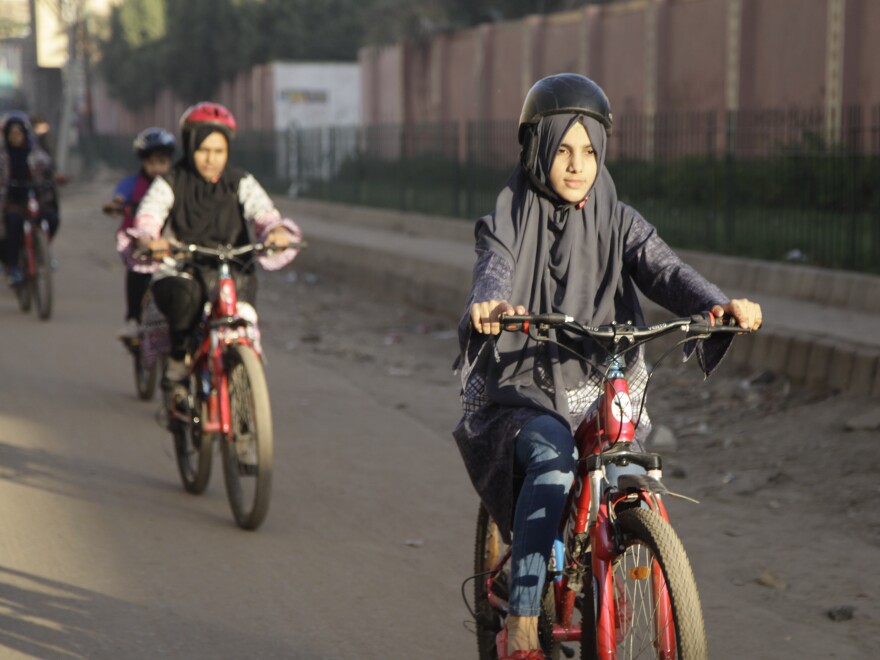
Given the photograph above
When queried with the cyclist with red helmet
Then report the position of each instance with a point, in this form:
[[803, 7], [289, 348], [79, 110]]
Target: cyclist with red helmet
[[154, 148], [205, 201], [22, 161]]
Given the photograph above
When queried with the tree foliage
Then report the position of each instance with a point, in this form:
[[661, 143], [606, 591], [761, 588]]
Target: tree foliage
[[192, 46], [133, 49], [203, 47]]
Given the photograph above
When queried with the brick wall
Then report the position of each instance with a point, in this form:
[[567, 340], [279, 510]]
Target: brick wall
[[649, 56]]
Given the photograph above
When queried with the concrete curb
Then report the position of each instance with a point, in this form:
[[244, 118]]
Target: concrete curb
[[426, 261]]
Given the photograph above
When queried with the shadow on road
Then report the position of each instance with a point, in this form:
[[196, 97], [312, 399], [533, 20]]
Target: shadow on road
[[45, 618]]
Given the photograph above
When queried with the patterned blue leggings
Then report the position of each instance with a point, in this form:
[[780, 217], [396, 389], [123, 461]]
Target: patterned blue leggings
[[546, 454]]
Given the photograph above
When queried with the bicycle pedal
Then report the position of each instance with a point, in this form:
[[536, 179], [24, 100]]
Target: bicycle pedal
[[567, 651]]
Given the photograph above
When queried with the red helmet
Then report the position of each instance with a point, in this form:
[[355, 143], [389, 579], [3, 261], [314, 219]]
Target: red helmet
[[211, 114]]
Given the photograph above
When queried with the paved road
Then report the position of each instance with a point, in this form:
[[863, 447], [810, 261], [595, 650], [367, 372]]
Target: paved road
[[369, 533], [104, 556]]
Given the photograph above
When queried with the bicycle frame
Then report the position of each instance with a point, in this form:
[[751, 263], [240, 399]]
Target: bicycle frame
[[587, 522], [221, 327]]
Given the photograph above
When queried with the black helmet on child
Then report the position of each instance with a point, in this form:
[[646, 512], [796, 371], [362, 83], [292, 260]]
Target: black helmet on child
[[563, 93], [153, 140]]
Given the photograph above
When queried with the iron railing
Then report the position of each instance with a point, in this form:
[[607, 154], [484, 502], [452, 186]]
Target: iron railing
[[775, 185]]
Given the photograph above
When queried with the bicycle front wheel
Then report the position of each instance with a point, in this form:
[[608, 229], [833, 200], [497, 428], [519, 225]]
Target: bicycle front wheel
[[247, 454], [41, 283], [657, 606], [489, 548]]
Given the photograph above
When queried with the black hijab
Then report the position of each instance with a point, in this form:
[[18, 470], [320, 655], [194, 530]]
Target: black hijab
[[566, 258], [18, 161], [205, 212]]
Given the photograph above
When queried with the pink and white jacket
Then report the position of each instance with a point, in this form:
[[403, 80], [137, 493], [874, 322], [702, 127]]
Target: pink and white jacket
[[155, 208]]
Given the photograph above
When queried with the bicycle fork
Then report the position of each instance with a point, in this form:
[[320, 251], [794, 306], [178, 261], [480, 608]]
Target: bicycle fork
[[33, 221], [28, 246], [219, 410]]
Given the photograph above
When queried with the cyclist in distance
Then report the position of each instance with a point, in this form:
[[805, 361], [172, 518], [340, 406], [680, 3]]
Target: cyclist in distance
[[22, 161], [559, 240], [205, 201], [154, 147]]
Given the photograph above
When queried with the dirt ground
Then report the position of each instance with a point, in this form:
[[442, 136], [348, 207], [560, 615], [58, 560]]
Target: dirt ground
[[785, 542]]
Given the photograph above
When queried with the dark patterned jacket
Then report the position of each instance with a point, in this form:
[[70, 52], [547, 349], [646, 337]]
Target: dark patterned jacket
[[487, 431], [42, 171]]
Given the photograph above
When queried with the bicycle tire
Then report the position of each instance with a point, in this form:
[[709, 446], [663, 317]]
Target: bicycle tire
[[247, 455], [648, 538], [193, 448], [144, 377], [41, 283], [488, 549], [23, 294], [23, 289]]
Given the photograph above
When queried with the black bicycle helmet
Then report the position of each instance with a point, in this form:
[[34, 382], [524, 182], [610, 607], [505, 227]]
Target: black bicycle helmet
[[153, 140], [563, 93]]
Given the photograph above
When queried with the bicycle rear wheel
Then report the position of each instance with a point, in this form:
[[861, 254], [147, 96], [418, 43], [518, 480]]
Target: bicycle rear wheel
[[652, 575], [144, 376], [41, 283], [488, 551], [193, 447], [23, 293], [247, 455]]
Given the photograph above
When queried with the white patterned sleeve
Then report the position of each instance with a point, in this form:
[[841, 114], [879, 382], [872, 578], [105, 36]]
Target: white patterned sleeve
[[148, 222], [259, 210], [153, 210]]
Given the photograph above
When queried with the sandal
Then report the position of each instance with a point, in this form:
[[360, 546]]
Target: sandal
[[501, 650]]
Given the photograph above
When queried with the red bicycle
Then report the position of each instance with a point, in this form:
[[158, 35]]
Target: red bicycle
[[35, 259], [617, 562], [227, 397]]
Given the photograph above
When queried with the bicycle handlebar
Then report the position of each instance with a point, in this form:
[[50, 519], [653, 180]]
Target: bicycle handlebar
[[613, 333], [224, 252]]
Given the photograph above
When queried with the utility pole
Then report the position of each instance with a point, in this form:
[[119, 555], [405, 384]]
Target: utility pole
[[69, 10]]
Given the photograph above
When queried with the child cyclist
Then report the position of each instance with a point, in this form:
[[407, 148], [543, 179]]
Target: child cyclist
[[154, 147], [558, 240]]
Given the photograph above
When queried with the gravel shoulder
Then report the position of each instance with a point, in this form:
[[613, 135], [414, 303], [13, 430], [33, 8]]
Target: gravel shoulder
[[786, 538]]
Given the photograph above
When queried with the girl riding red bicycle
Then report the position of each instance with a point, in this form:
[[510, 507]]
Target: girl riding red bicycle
[[559, 240], [22, 161], [203, 201]]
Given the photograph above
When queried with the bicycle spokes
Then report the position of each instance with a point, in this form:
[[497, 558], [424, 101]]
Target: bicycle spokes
[[643, 621], [244, 436]]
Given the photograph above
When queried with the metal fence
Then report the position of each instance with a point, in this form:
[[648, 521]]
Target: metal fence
[[776, 185]]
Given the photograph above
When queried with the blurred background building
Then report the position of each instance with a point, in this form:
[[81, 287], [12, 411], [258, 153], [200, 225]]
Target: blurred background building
[[741, 126], [43, 62]]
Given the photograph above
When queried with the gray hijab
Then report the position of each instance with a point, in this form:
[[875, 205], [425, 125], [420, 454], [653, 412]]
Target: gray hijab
[[566, 258]]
